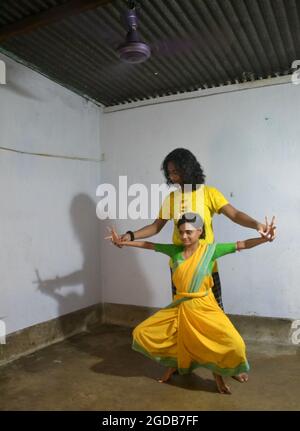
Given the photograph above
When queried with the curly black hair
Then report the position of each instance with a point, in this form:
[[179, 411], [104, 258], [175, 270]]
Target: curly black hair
[[187, 165]]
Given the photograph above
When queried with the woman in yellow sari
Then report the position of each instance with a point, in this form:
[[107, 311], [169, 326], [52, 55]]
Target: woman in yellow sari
[[193, 331]]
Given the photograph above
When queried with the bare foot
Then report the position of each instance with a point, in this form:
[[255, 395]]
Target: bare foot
[[167, 375], [222, 387], [242, 378]]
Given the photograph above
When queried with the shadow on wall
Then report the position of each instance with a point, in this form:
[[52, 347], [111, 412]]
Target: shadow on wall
[[90, 232], [86, 229]]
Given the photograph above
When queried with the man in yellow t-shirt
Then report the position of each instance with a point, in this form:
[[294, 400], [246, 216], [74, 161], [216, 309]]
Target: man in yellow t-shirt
[[205, 200], [182, 168]]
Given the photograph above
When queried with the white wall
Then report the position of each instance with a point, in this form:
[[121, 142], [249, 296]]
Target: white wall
[[48, 224], [248, 144]]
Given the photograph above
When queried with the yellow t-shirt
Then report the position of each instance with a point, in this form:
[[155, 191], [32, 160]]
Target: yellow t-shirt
[[206, 201]]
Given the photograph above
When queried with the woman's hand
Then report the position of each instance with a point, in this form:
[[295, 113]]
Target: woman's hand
[[125, 237], [271, 229], [267, 231], [114, 237], [253, 242]]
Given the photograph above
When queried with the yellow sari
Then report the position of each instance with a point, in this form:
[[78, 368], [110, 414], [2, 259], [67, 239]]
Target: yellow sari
[[193, 331]]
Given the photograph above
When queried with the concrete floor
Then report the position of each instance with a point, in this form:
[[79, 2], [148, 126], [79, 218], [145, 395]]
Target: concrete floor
[[99, 371]]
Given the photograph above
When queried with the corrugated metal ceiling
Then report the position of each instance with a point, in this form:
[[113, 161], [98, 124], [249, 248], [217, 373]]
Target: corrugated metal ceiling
[[195, 44], [14, 10]]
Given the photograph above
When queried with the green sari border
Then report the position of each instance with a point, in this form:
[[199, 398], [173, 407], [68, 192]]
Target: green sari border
[[202, 268], [243, 367], [170, 362], [167, 361]]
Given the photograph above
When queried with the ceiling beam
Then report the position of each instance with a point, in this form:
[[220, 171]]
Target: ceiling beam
[[42, 19]]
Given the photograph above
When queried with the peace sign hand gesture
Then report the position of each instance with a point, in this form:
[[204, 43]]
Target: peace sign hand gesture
[[270, 232]]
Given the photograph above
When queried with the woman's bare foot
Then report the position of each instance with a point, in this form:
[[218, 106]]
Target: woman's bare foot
[[167, 375], [242, 378], [222, 387]]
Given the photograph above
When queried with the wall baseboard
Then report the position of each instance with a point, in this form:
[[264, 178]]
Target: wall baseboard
[[252, 328], [261, 330], [28, 340]]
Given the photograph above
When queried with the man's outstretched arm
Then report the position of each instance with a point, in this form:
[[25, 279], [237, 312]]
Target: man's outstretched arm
[[245, 220]]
